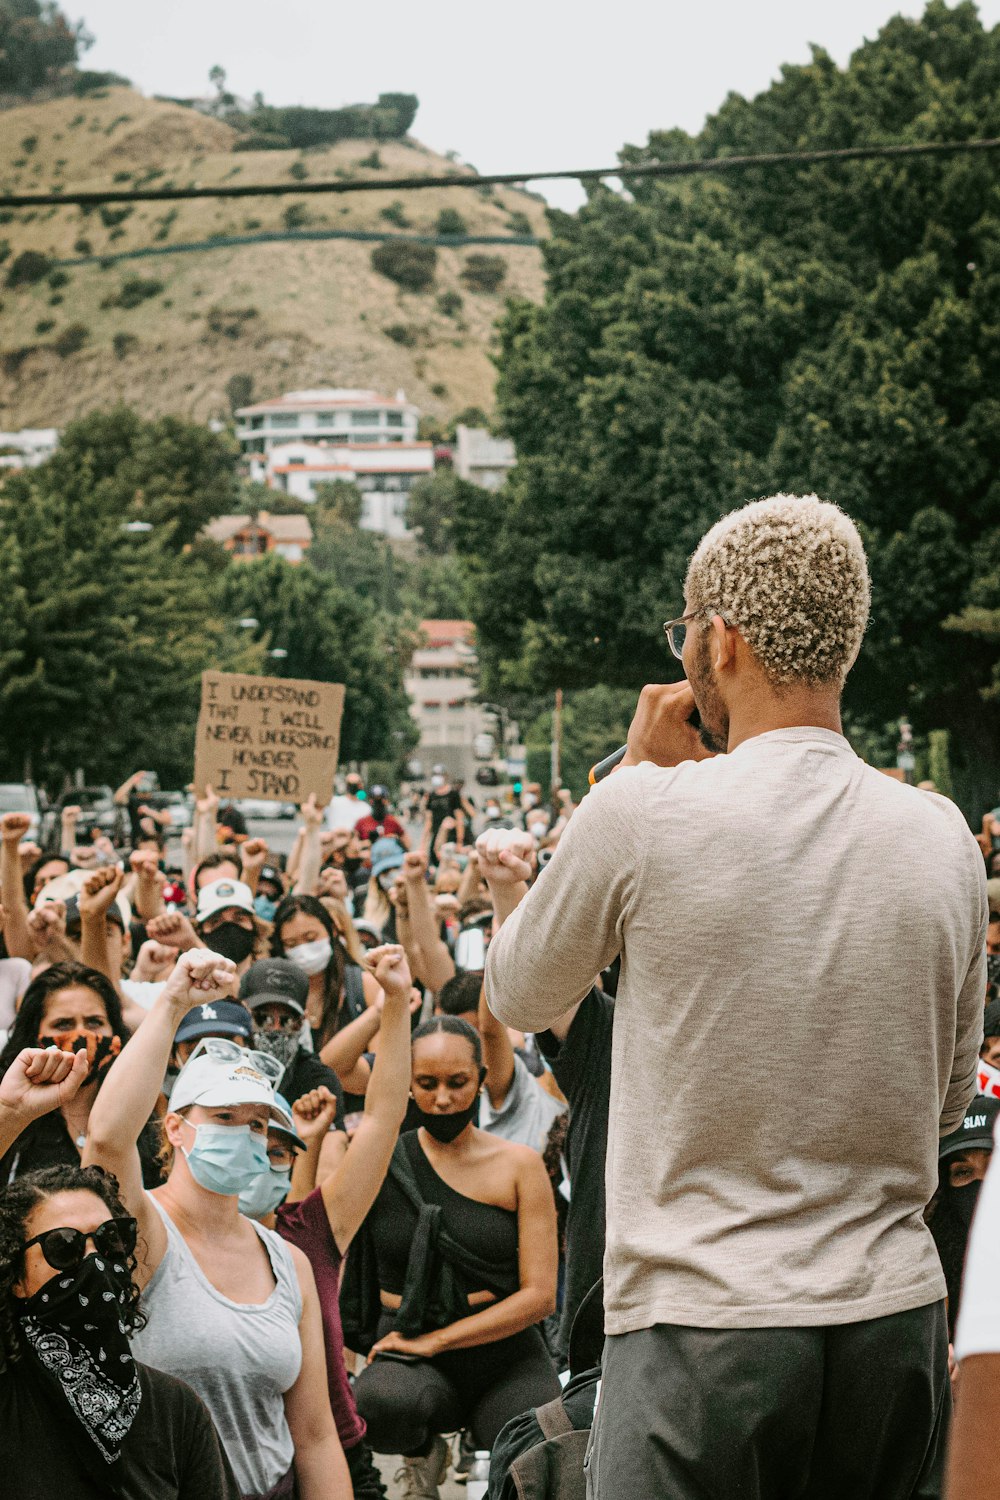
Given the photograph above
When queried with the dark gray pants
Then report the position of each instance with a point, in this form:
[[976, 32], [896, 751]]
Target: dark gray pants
[[854, 1412]]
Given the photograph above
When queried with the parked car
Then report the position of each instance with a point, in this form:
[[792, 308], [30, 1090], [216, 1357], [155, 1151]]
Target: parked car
[[23, 797], [261, 810]]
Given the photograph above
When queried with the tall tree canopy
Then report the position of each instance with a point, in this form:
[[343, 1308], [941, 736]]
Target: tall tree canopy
[[36, 43], [830, 328]]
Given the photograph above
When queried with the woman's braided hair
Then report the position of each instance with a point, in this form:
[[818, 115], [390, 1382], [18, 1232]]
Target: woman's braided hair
[[16, 1204]]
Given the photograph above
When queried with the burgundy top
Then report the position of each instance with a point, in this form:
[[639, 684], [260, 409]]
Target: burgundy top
[[306, 1225]]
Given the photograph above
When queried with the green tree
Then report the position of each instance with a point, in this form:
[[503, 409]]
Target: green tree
[[823, 328], [108, 632], [329, 635], [432, 507], [36, 44], [340, 500], [175, 474]]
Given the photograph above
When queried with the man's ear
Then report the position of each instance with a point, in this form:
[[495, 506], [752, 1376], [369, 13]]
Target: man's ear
[[723, 643]]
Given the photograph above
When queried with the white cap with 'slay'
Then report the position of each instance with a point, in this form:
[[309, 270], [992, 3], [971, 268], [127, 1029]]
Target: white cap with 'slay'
[[222, 1081], [219, 894]]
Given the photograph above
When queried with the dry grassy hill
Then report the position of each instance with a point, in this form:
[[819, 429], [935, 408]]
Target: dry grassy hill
[[289, 315]]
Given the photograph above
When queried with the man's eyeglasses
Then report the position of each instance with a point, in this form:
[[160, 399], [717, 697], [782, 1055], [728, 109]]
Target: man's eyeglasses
[[64, 1249], [676, 630]]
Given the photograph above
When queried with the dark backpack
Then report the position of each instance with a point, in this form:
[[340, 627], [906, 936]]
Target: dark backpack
[[539, 1455]]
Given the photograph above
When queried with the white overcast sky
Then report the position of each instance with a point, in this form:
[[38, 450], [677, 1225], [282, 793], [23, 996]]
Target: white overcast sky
[[511, 85]]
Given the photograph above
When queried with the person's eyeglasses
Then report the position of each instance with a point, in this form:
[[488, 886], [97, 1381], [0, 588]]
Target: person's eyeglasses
[[223, 1050], [64, 1249], [676, 630]]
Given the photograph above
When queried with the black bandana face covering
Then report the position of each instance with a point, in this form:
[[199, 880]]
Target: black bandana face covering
[[77, 1342]]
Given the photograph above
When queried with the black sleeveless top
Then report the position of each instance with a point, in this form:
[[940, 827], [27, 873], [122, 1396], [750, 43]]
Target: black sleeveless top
[[481, 1228]]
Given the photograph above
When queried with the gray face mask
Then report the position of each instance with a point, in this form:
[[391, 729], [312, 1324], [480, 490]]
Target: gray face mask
[[281, 1045]]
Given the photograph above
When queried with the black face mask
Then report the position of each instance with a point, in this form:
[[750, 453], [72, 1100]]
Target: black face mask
[[231, 940], [964, 1200], [73, 1327], [446, 1128]]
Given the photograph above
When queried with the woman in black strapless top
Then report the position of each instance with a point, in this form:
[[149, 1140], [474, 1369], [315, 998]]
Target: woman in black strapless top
[[463, 1241]]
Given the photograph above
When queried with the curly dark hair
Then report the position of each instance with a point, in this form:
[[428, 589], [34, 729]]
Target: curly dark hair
[[28, 1022], [333, 990], [16, 1204]]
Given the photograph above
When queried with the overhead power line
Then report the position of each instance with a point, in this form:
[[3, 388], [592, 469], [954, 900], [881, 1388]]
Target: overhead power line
[[501, 179]]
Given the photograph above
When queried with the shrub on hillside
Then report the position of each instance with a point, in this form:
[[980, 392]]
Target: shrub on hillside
[[262, 140], [124, 343], [133, 291], [72, 338], [408, 265], [484, 273], [450, 221], [395, 214], [231, 322], [450, 303], [519, 223], [45, 325], [82, 246], [407, 334], [296, 216], [28, 267], [298, 170], [112, 217], [57, 279]]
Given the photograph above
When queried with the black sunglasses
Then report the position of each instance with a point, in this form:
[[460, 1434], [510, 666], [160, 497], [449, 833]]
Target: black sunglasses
[[64, 1249]]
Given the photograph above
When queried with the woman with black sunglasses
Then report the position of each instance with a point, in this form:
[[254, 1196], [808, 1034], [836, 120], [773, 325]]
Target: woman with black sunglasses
[[78, 1415]]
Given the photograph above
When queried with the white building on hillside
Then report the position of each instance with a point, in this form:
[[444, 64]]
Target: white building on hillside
[[482, 458], [441, 686], [306, 438], [28, 448]]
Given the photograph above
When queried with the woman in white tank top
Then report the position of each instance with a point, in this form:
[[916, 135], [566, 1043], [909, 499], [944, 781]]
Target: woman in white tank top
[[232, 1309]]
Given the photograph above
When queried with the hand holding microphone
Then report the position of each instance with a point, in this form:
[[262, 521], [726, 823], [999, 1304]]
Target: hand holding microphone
[[661, 731]]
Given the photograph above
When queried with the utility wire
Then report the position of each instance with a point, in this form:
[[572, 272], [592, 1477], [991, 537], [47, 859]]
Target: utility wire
[[502, 179]]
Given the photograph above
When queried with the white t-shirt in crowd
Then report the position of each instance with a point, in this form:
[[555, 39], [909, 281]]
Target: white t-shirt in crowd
[[15, 976], [345, 812], [978, 1330]]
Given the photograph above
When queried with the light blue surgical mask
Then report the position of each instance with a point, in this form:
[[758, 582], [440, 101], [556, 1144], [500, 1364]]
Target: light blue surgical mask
[[265, 1193], [265, 908], [226, 1158]]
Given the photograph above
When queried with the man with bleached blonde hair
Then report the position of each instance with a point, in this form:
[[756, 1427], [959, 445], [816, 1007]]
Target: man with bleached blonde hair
[[798, 1017]]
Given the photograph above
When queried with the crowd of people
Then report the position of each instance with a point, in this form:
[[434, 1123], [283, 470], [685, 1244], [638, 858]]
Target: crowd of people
[[624, 1149], [220, 1069]]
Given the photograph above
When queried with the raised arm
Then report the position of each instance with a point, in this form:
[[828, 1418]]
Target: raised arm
[[506, 869], [344, 1052], [568, 927], [310, 852], [17, 934], [68, 819], [129, 1093], [39, 1080], [352, 1189], [99, 890], [498, 1053], [253, 858], [206, 809], [438, 964], [149, 883]]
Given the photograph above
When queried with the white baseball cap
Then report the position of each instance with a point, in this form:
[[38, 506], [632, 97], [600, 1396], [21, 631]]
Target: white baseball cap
[[213, 1080], [219, 894]]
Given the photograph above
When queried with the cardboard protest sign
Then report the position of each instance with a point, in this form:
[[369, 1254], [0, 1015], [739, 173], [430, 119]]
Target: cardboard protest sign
[[270, 737]]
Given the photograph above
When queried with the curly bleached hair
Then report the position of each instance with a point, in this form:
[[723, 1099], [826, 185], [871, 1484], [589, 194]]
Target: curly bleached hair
[[790, 574]]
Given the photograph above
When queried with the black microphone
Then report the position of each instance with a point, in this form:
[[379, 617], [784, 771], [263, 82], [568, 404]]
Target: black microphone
[[606, 766]]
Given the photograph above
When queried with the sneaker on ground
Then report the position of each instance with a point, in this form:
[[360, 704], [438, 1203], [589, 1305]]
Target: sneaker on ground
[[420, 1477]]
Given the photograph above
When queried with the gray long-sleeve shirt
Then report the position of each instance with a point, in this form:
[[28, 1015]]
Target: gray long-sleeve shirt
[[799, 1014]]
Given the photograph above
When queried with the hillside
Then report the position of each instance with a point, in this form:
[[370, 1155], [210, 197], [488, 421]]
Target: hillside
[[287, 314]]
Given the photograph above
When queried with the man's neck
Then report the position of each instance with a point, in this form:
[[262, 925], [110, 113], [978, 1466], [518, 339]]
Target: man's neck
[[767, 711]]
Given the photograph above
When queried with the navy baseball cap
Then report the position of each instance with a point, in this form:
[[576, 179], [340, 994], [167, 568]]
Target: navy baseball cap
[[275, 981], [216, 1018]]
